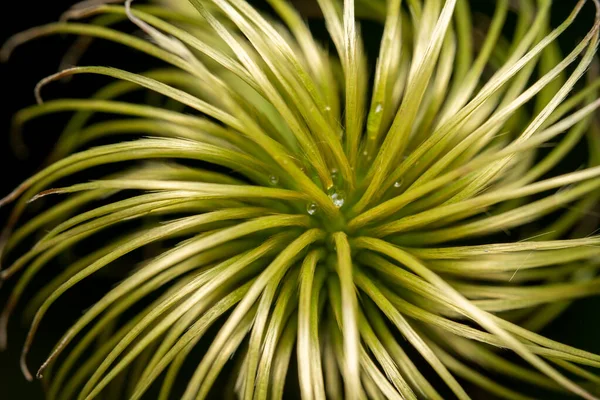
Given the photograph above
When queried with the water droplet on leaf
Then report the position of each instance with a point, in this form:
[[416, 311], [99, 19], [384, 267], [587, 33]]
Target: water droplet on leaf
[[334, 173], [312, 208], [337, 197], [273, 180], [398, 183]]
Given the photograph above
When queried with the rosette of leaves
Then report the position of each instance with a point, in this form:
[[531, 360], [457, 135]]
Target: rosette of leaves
[[300, 207]]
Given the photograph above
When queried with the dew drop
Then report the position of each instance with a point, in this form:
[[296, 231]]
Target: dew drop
[[334, 173], [378, 108], [365, 153], [337, 197], [273, 180], [327, 108], [398, 183], [312, 208]]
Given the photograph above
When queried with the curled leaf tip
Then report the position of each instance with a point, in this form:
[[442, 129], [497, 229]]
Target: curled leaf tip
[[25, 368]]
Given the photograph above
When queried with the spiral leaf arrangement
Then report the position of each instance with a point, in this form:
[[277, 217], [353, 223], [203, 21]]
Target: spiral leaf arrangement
[[300, 209]]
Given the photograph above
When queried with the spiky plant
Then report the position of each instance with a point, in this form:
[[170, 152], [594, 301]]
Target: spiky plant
[[296, 209]]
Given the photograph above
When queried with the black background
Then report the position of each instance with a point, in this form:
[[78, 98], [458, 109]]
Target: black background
[[579, 326]]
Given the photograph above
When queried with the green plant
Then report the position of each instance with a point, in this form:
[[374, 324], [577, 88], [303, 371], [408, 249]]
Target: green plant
[[311, 217]]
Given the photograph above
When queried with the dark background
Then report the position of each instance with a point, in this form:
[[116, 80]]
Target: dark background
[[579, 326]]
